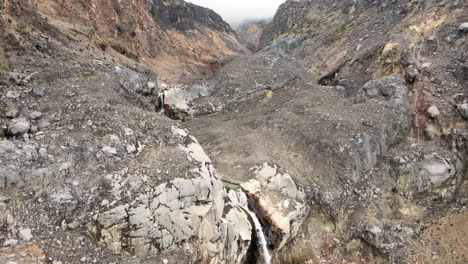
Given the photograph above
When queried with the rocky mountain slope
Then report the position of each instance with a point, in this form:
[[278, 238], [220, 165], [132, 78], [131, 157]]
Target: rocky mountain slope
[[370, 173], [287, 15], [82, 148], [171, 37], [342, 140]]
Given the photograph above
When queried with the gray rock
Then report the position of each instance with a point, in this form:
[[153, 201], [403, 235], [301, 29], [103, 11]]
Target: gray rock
[[63, 196], [69, 93], [438, 171], [129, 132], [35, 115], [113, 216], [426, 67], [150, 89], [10, 243], [139, 216], [389, 91], [464, 27], [30, 152], [73, 225], [131, 148], [463, 109], [4, 199], [141, 247], [184, 209], [8, 149], [411, 74], [347, 88], [15, 77], [43, 153], [115, 142], [42, 43], [19, 126], [433, 111], [25, 234], [39, 91], [140, 82], [13, 113], [13, 94], [43, 125], [34, 129], [8, 177], [109, 151], [425, 171], [177, 100], [186, 188]]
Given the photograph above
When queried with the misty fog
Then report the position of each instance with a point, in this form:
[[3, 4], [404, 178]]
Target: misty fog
[[240, 11]]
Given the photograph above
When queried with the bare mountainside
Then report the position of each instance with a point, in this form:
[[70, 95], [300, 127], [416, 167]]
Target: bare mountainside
[[171, 37], [143, 132]]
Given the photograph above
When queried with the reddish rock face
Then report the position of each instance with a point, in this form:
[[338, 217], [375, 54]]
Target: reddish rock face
[[162, 35]]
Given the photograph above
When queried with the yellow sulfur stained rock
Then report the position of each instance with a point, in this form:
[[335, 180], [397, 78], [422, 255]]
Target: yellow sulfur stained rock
[[391, 53]]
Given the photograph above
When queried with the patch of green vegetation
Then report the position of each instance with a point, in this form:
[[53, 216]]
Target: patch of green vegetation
[[2, 133]]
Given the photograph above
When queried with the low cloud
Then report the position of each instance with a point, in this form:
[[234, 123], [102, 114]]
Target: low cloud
[[251, 21], [239, 11]]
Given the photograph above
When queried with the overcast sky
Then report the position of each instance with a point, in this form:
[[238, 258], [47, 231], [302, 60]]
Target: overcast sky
[[236, 11]]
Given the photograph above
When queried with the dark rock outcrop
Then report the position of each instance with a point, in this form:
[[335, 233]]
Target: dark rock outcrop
[[288, 14], [184, 16]]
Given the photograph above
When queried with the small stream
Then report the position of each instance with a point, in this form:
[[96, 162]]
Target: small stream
[[262, 243], [160, 106]]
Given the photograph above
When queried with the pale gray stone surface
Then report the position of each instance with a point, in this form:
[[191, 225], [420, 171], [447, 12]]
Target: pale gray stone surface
[[19, 126], [25, 234]]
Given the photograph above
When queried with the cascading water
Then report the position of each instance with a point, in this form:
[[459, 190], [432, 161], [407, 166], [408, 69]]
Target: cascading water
[[262, 243], [160, 107]]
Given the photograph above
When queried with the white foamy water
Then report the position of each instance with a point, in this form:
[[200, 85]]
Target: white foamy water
[[161, 98], [262, 244]]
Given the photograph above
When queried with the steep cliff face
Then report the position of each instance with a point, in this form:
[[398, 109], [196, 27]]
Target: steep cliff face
[[345, 44], [184, 16], [171, 37], [287, 15]]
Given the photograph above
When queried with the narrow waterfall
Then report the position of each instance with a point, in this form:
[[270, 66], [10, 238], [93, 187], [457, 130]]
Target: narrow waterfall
[[262, 243], [160, 107]]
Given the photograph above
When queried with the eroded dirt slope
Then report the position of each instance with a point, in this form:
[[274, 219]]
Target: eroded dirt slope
[[173, 38]]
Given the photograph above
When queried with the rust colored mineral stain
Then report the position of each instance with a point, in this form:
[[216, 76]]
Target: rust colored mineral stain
[[272, 233], [420, 110]]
